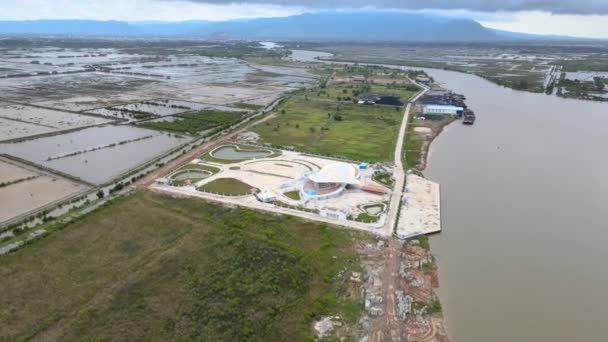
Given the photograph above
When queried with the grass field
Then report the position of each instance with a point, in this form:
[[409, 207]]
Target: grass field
[[348, 91], [227, 186], [294, 195], [248, 106], [153, 267], [330, 127], [193, 123]]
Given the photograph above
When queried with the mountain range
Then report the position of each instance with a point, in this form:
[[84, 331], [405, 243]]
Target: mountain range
[[349, 26]]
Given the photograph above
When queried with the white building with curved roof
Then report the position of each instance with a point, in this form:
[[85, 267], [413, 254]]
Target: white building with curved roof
[[330, 181]]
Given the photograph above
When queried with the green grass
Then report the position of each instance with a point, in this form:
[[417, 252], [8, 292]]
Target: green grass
[[162, 268], [268, 60], [294, 195], [349, 91], [248, 106], [193, 123], [412, 148], [227, 186], [365, 133], [422, 241], [367, 218], [384, 179]]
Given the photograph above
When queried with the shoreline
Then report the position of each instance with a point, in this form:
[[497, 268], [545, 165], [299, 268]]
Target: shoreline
[[426, 146]]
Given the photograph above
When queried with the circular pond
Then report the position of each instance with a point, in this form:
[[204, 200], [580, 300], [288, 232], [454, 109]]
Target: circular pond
[[233, 153], [191, 174]]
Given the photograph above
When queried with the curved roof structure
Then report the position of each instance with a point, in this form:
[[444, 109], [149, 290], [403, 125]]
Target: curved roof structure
[[336, 173]]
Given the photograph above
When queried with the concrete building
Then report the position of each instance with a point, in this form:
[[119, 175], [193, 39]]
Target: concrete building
[[329, 182], [423, 80], [334, 214], [443, 109], [266, 197]]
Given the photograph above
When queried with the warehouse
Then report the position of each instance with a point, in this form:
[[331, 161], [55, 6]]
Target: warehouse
[[443, 109]]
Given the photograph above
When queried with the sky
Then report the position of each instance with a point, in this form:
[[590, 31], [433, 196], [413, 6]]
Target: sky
[[580, 18]]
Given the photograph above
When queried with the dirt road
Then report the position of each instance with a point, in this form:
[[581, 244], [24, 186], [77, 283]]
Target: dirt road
[[399, 172], [390, 327]]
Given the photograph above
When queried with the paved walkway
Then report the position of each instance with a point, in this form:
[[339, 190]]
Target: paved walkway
[[255, 204], [399, 172]]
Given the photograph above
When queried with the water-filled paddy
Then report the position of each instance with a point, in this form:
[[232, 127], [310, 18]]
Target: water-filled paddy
[[26, 188], [155, 108], [21, 121], [103, 163]]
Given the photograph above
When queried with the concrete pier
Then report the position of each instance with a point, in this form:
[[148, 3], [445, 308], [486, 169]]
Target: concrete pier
[[420, 209]]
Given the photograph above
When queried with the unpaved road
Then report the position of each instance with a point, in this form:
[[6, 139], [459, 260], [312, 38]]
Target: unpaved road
[[390, 328]]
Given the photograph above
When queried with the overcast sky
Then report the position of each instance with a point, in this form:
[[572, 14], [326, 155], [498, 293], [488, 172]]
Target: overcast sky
[[584, 18]]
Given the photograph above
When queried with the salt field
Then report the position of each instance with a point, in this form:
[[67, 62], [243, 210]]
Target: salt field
[[26, 189], [96, 154], [22, 121]]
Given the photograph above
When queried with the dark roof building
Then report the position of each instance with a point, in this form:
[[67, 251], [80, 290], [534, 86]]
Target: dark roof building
[[380, 99]]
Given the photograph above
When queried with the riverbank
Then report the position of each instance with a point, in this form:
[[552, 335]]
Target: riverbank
[[420, 136]]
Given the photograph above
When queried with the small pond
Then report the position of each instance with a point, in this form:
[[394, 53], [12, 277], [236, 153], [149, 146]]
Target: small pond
[[374, 209], [232, 153], [191, 174]]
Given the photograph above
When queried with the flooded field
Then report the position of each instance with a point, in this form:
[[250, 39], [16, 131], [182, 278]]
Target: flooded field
[[96, 154], [136, 111], [21, 121], [586, 75], [25, 188], [111, 82]]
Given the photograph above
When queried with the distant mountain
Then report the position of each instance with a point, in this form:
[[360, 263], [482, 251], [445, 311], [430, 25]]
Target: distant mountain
[[357, 26], [335, 25]]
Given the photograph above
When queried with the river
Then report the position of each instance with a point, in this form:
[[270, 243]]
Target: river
[[523, 244], [522, 251]]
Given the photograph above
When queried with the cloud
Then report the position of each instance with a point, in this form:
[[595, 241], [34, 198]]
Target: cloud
[[138, 10], [581, 7]]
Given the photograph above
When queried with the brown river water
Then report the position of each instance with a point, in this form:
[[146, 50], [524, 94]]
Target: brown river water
[[522, 255]]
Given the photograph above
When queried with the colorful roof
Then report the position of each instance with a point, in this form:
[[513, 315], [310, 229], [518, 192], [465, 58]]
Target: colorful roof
[[336, 173]]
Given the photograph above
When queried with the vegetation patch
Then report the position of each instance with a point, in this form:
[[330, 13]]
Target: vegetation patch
[[247, 106], [311, 123], [367, 218], [384, 179], [196, 122], [422, 241], [227, 187], [164, 268], [294, 195]]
